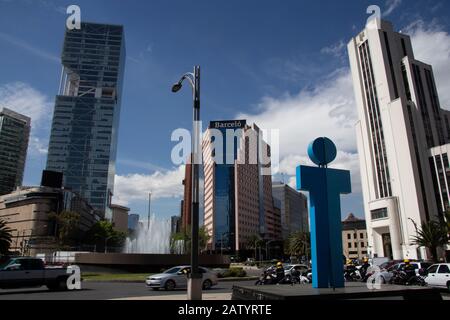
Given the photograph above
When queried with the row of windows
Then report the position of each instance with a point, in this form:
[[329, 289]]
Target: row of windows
[[423, 106], [349, 235], [355, 245], [379, 214], [419, 165], [379, 148]]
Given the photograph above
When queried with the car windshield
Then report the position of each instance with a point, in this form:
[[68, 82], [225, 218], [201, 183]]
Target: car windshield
[[173, 270], [425, 265], [287, 267], [4, 263]]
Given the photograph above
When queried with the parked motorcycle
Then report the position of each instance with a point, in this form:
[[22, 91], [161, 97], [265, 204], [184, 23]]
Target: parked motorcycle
[[352, 273], [405, 278], [266, 278], [296, 277]]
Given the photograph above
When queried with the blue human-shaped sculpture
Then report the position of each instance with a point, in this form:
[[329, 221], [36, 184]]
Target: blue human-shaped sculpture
[[325, 187]]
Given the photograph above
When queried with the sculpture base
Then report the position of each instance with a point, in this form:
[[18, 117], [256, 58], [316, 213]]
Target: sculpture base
[[352, 291]]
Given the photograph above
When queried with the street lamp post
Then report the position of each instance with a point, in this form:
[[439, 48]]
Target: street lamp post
[[149, 212], [195, 277], [357, 244]]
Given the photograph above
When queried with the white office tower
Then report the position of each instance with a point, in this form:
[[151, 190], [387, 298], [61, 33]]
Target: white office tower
[[402, 134]]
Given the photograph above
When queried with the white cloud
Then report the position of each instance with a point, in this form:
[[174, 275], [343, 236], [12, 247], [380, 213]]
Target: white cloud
[[338, 49], [432, 45], [38, 146], [391, 5], [131, 187], [24, 99], [30, 48], [327, 110]]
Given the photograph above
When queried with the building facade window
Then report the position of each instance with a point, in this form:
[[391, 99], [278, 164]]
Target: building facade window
[[376, 126], [379, 214]]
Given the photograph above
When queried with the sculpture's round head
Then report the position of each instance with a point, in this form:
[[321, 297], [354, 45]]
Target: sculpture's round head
[[322, 151]]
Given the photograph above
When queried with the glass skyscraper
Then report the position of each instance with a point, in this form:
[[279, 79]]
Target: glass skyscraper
[[84, 132], [14, 136], [238, 200], [223, 192]]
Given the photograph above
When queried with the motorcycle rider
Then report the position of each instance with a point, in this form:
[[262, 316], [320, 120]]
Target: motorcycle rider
[[365, 265], [279, 271], [409, 269], [351, 271]]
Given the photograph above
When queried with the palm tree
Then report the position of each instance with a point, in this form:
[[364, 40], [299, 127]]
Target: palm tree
[[431, 235], [5, 237], [254, 241], [299, 244], [67, 225], [203, 238]]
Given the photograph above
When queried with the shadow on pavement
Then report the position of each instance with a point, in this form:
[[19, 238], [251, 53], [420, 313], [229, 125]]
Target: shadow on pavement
[[4, 292]]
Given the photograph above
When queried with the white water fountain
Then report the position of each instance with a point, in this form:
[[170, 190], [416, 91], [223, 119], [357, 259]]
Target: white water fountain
[[153, 237]]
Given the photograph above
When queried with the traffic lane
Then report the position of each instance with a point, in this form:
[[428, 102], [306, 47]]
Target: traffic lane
[[104, 291]]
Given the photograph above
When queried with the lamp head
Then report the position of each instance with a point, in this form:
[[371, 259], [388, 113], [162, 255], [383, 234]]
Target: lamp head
[[176, 87]]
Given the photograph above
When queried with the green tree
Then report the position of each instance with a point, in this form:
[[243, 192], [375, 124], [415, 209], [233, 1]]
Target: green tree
[[431, 235], [299, 244], [103, 233], [67, 224], [254, 242], [174, 238], [203, 238], [5, 237]]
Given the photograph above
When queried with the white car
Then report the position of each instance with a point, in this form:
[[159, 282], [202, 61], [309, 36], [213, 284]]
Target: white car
[[438, 275], [290, 267], [176, 278]]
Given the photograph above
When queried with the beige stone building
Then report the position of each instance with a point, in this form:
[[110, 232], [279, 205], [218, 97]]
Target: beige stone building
[[120, 217], [27, 212], [354, 238]]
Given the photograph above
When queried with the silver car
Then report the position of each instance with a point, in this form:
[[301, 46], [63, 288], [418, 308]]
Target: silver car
[[176, 278]]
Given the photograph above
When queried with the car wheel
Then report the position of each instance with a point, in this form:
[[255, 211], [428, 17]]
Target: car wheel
[[207, 284], [52, 286], [170, 285], [448, 286], [58, 285]]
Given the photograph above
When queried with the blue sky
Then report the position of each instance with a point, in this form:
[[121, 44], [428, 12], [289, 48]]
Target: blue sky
[[281, 64]]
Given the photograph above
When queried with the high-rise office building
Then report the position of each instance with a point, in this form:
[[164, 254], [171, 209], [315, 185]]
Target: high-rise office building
[[175, 224], [238, 199], [133, 221], [293, 207], [119, 217], [399, 131], [85, 125], [186, 203], [14, 136]]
